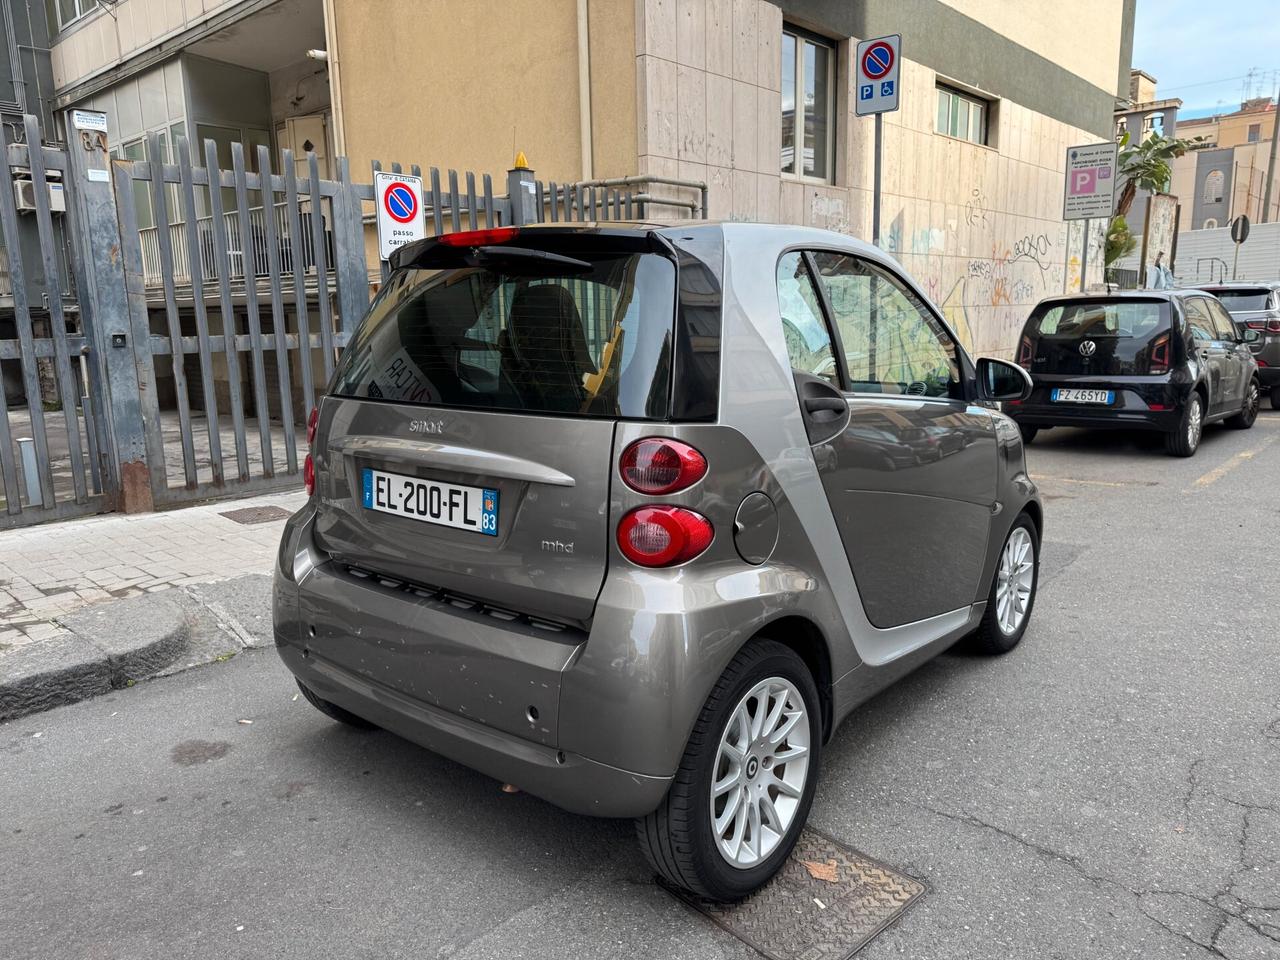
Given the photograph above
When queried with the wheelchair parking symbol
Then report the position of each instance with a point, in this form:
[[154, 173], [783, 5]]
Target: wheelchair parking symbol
[[886, 89]]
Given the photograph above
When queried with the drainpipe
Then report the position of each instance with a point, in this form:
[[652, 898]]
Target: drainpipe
[[584, 88], [335, 79]]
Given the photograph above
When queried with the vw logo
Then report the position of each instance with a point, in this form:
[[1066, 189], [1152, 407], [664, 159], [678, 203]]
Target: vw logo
[[1088, 348]]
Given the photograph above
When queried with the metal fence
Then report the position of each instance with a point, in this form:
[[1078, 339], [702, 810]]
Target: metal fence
[[206, 339]]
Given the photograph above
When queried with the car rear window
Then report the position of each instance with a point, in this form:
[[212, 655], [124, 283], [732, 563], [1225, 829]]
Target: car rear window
[[592, 340], [1237, 300], [1075, 321]]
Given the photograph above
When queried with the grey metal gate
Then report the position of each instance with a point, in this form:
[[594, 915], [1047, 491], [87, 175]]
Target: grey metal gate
[[250, 297], [50, 383], [204, 335]]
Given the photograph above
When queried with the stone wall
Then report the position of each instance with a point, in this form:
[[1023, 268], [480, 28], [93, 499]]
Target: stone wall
[[979, 227]]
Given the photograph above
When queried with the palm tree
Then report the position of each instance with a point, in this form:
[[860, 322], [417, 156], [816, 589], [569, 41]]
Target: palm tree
[[1146, 166]]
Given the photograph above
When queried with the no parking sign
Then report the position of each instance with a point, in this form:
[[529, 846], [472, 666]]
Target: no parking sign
[[877, 63], [400, 215]]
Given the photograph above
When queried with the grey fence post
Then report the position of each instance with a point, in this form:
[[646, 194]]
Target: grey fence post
[[350, 266], [113, 334], [522, 190]]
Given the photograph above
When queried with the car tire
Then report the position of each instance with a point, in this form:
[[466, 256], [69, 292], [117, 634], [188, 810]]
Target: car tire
[[333, 711], [1249, 412], [1028, 433], [679, 838], [1275, 398], [999, 632], [1184, 441]]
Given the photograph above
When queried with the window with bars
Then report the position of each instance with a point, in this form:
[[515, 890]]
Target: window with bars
[[808, 105], [963, 115]]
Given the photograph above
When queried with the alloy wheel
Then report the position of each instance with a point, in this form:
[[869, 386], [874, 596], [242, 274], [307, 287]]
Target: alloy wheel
[[1253, 403], [760, 772], [1195, 423], [1014, 581]]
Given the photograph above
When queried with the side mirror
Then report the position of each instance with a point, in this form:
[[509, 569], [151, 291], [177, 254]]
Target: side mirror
[[1002, 380], [1251, 335]]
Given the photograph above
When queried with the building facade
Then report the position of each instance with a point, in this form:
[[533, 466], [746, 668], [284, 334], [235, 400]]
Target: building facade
[[755, 98]]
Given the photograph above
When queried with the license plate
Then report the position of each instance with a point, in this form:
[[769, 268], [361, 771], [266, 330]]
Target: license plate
[[1064, 395], [444, 504]]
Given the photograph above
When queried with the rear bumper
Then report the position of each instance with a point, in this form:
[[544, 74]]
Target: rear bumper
[[1269, 376], [615, 704], [572, 782], [1164, 421]]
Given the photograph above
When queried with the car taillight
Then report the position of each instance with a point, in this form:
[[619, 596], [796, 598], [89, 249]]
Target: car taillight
[[656, 466], [309, 475], [1267, 326], [313, 420], [1160, 355], [1025, 352], [663, 536], [1273, 326], [478, 238]]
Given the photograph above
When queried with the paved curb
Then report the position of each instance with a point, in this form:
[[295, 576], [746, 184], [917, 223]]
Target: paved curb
[[112, 645]]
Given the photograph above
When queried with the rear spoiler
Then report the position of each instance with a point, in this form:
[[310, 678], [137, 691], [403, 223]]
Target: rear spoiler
[[539, 249]]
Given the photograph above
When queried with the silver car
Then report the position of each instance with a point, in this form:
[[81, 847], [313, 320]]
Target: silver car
[[632, 516], [1256, 306]]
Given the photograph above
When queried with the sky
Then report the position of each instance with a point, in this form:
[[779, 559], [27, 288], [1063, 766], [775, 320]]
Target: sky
[[1201, 50]]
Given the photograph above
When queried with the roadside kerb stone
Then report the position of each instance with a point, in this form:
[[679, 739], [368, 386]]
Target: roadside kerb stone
[[112, 645]]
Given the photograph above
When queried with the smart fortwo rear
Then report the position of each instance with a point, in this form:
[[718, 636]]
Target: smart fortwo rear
[[549, 539]]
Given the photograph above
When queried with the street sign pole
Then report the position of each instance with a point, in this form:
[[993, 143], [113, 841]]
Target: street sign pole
[[877, 64], [875, 182], [1084, 255]]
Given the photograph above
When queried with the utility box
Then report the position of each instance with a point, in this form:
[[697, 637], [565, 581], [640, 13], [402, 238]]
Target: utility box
[[24, 191]]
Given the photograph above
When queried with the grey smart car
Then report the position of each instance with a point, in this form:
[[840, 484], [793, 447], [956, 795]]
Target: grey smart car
[[632, 516]]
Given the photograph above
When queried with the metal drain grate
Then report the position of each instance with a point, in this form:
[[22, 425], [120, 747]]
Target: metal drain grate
[[248, 515], [804, 914]]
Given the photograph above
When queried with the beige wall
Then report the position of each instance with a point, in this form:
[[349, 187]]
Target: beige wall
[[100, 40], [406, 96], [1082, 36], [979, 227]]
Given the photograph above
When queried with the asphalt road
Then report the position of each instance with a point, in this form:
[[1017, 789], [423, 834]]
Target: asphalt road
[[1111, 789]]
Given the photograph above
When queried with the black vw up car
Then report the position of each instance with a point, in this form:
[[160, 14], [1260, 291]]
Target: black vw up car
[[1166, 360]]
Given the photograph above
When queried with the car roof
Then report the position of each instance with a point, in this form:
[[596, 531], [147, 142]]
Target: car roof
[[1122, 295], [782, 234]]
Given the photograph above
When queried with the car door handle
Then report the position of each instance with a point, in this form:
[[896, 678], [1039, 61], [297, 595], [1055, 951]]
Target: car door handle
[[818, 404], [1204, 354]]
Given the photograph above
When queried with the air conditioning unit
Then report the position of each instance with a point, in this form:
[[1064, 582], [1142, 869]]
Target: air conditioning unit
[[24, 192]]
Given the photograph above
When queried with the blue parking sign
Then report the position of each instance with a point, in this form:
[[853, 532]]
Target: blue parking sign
[[865, 91], [886, 89]]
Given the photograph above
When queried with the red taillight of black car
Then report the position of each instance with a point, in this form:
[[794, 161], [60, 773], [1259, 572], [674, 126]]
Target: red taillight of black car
[[1160, 355], [1025, 352]]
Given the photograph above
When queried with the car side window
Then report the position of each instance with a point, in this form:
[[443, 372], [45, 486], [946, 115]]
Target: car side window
[[892, 342], [1226, 328], [1201, 323], [808, 340]]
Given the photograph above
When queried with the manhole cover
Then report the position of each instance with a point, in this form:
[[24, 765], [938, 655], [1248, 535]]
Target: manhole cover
[[249, 515], [826, 903]]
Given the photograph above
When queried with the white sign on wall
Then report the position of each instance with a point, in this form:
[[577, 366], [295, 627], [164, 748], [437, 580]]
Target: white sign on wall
[[89, 120], [401, 218], [1090, 187], [876, 64]]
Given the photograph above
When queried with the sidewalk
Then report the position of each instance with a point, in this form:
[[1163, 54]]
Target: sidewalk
[[68, 628]]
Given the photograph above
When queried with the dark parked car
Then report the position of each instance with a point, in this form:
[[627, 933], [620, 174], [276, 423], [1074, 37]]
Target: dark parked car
[[1166, 360], [1256, 306], [633, 516]]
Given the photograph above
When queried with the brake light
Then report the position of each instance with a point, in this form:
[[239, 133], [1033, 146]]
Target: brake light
[[1268, 326], [1025, 352], [309, 475], [1157, 407], [1273, 326], [313, 420], [657, 466], [1160, 355], [1261, 363], [478, 238], [663, 536]]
